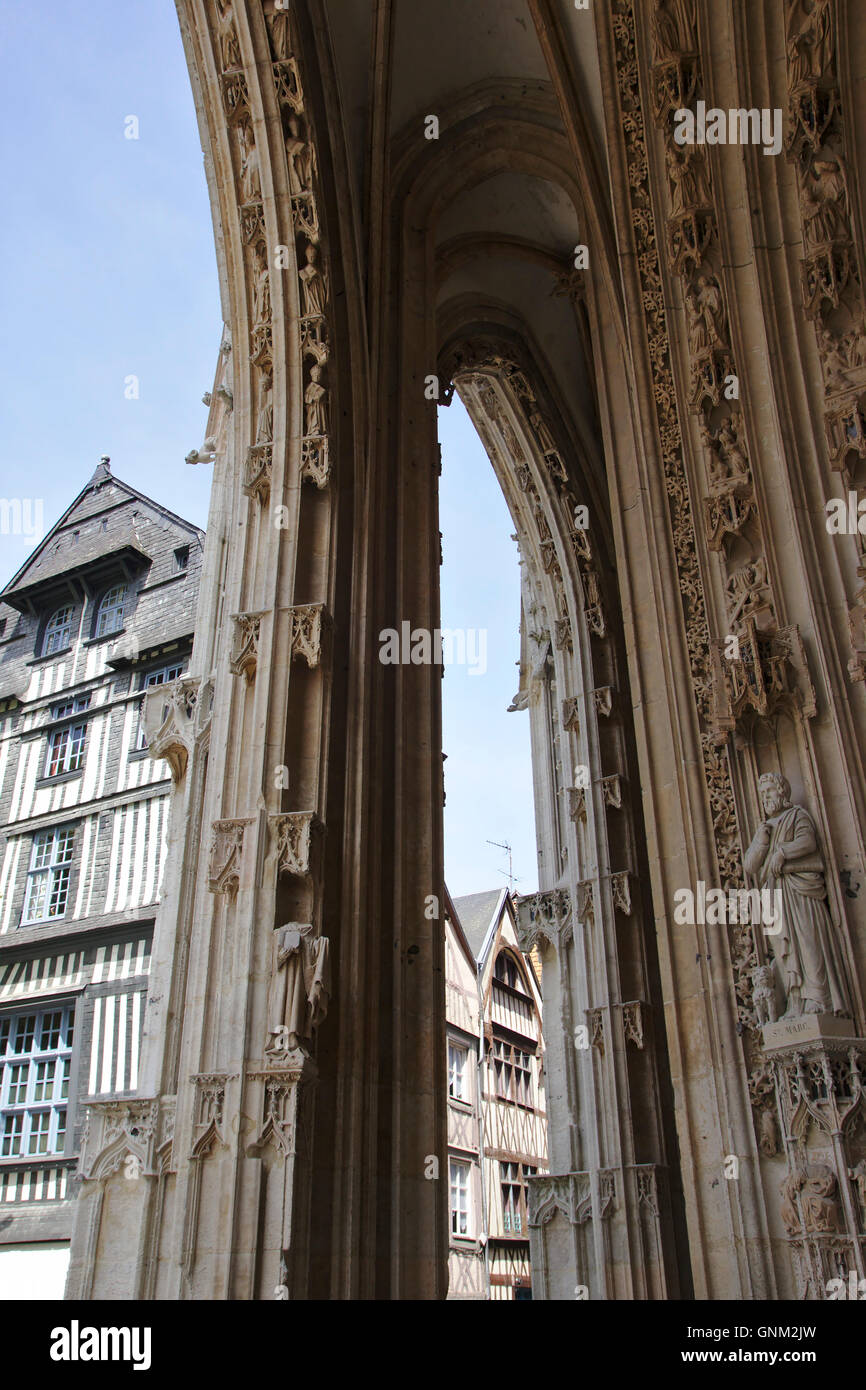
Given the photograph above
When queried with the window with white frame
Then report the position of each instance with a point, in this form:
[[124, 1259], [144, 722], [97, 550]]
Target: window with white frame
[[65, 750], [112, 610], [458, 1080], [73, 704], [512, 1191], [152, 679], [35, 1061], [459, 1179], [58, 631], [48, 877]]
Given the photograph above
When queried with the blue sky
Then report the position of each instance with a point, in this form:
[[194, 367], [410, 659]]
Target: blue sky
[[109, 273]]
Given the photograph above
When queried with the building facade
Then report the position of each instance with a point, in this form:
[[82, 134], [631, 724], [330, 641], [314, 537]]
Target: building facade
[[100, 613], [497, 1120], [659, 337]]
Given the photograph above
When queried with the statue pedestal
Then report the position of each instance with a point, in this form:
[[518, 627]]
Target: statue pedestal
[[808, 1028]]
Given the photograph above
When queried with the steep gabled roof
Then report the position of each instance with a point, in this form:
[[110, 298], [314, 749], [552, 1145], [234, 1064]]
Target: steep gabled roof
[[478, 913], [42, 565]]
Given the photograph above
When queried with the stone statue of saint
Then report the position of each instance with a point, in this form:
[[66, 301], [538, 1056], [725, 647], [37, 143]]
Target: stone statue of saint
[[809, 41], [300, 986], [301, 157], [824, 203], [688, 175], [706, 315], [265, 425], [313, 284], [251, 184], [784, 855], [316, 401]]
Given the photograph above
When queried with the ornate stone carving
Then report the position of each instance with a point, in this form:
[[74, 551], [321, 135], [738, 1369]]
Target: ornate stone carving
[[577, 803], [611, 790], [809, 1201], [174, 717], [245, 652], [226, 849], [784, 855], [280, 1120], [571, 714], [258, 468], [621, 892], [293, 835], [603, 700], [769, 673], [308, 624], [252, 217], [632, 1023], [546, 914], [235, 94], [117, 1131], [595, 1020], [210, 1099]]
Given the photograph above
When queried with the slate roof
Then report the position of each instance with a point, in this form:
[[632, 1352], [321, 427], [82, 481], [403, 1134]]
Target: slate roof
[[476, 911]]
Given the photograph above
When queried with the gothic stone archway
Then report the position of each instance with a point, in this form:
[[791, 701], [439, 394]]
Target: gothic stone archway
[[290, 1107]]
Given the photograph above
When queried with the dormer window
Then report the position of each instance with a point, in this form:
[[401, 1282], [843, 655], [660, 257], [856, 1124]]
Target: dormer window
[[58, 631], [112, 609], [181, 557]]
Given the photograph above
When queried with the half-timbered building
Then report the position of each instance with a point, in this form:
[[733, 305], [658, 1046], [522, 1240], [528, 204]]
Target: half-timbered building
[[497, 1128], [100, 613]]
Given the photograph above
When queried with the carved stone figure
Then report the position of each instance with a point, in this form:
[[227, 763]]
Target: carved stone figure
[[673, 28], [313, 284], [300, 986], [229, 46], [768, 1133], [809, 42], [251, 184], [262, 287], [281, 32], [706, 315], [301, 156], [818, 1200], [858, 1175], [823, 203], [265, 426], [316, 400], [784, 855], [687, 172], [729, 439]]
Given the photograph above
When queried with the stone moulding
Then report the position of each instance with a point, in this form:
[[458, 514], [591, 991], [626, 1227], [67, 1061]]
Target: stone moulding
[[673, 86], [572, 1195]]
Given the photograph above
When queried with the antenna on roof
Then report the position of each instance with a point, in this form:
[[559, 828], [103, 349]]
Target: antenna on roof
[[510, 876]]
